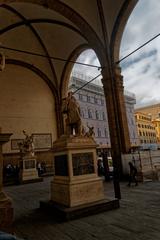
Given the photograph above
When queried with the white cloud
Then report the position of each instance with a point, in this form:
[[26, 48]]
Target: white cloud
[[88, 57], [142, 77]]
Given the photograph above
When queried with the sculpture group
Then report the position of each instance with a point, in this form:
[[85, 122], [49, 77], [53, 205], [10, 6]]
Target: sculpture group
[[27, 146]]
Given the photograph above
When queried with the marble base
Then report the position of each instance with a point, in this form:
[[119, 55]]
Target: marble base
[[28, 170], [6, 213], [76, 181], [77, 192]]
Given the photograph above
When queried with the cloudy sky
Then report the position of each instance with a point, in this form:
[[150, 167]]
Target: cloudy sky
[[141, 71]]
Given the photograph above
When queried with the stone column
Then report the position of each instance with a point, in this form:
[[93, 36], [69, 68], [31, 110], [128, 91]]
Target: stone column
[[114, 127], [121, 108], [6, 209]]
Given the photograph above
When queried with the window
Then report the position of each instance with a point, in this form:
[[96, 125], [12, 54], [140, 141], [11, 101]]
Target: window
[[89, 113], [98, 132], [97, 114], [105, 133], [80, 97], [95, 100], [88, 99], [103, 116], [102, 102]]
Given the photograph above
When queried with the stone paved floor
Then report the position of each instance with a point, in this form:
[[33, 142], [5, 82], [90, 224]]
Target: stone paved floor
[[138, 217]]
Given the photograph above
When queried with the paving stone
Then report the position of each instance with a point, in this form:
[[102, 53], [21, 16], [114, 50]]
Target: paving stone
[[138, 217]]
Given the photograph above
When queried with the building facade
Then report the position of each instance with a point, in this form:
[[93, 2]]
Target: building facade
[[94, 113], [156, 123], [152, 110], [146, 131]]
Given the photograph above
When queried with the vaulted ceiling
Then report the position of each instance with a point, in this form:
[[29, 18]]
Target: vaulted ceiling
[[60, 29]]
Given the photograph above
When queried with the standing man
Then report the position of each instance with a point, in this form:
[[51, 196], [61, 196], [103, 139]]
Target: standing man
[[71, 108], [132, 175]]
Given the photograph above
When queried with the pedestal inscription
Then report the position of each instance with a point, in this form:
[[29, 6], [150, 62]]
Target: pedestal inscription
[[83, 163], [61, 165], [28, 164]]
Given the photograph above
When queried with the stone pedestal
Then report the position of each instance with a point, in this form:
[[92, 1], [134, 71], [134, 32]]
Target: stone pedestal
[[6, 209], [76, 181], [28, 170], [76, 189]]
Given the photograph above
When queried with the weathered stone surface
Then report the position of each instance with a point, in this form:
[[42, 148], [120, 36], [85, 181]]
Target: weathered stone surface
[[79, 183], [6, 213]]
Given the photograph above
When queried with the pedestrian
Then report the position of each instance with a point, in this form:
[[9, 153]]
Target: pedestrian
[[39, 168], [132, 174]]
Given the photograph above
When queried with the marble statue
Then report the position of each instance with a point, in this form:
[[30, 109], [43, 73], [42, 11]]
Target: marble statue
[[27, 147]]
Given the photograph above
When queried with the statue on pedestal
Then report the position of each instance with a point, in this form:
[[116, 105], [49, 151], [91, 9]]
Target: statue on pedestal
[[27, 147], [71, 109], [28, 170]]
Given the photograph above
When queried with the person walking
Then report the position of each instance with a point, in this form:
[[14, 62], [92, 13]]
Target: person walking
[[132, 174]]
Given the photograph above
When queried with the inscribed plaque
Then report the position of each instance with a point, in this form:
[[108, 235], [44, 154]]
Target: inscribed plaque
[[30, 164], [82, 163], [42, 140]]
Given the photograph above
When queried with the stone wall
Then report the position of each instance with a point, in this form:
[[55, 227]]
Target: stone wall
[[26, 103]]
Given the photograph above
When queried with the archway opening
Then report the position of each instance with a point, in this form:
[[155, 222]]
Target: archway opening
[[141, 69]]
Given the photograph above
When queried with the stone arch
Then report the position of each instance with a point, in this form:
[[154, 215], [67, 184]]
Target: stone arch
[[68, 68], [119, 28]]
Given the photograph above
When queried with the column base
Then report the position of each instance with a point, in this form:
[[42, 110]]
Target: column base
[[6, 213]]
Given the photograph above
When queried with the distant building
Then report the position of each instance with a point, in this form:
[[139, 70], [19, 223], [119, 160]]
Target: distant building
[[152, 110], [156, 123], [146, 131], [94, 113]]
